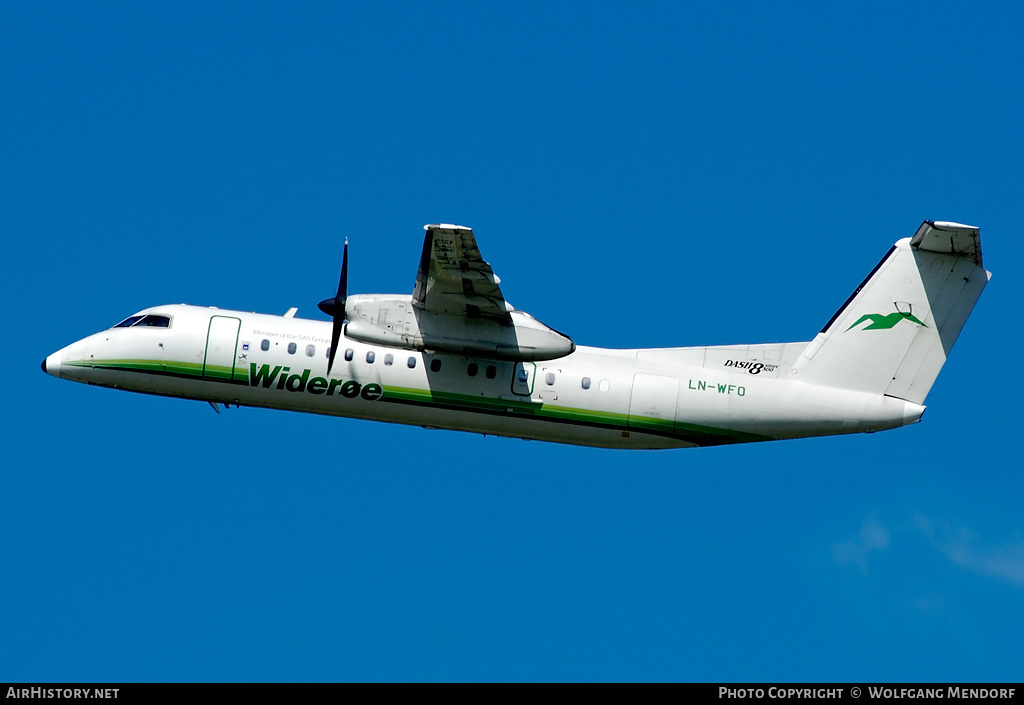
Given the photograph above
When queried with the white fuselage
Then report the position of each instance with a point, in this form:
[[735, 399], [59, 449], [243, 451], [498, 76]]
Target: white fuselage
[[646, 398]]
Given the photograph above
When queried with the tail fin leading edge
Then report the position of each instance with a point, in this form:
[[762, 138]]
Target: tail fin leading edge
[[894, 333]]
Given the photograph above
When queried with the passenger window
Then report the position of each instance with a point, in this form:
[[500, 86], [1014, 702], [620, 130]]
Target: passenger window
[[310, 350], [292, 347], [472, 369], [604, 386], [435, 365], [349, 354], [389, 359], [586, 382], [265, 345], [491, 372], [371, 356], [549, 379], [411, 363]]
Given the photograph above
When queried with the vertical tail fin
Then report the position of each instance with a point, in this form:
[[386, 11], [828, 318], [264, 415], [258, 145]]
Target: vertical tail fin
[[895, 331]]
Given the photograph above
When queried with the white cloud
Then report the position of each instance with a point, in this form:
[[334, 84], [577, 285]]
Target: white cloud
[[873, 536], [961, 546]]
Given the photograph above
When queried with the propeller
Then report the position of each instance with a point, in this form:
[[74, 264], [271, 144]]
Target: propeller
[[335, 308]]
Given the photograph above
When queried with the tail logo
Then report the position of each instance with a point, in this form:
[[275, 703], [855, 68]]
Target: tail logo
[[880, 322]]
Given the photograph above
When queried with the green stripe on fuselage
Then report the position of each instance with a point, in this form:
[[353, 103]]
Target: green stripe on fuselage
[[266, 376]]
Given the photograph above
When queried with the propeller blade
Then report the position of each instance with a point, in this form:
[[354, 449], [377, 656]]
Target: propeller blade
[[343, 279], [335, 335], [335, 308]]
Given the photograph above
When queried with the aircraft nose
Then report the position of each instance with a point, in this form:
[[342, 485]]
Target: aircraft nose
[[51, 365]]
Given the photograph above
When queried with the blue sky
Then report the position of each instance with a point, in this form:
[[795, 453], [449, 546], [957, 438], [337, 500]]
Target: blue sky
[[651, 175]]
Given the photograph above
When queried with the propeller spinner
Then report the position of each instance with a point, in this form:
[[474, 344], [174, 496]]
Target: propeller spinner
[[335, 307]]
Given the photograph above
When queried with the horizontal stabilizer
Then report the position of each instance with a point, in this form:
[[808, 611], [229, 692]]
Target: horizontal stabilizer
[[949, 239]]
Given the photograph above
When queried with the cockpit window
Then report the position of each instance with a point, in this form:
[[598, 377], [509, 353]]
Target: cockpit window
[[155, 321], [129, 322], [145, 321]]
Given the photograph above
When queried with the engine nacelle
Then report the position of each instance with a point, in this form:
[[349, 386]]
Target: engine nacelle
[[394, 321]]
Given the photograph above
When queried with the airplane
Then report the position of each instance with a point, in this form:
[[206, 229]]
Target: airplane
[[456, 355]]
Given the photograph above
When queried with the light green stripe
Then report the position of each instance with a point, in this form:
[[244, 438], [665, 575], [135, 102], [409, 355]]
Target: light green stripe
[[466, 401], [610, 418]]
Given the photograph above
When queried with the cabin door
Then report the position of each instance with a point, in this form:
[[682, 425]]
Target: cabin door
[[653, 403], [221, 342]]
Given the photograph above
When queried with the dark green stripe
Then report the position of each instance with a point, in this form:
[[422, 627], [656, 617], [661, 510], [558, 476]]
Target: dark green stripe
[[690, 433], [180, 370]]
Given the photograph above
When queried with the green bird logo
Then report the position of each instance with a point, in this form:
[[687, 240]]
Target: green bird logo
[[884, 322]]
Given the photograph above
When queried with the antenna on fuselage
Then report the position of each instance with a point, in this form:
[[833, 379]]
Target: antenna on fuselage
[[335, 308]]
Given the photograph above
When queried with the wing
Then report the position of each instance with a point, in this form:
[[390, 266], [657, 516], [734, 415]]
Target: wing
[[454, 279], [457, 307]]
